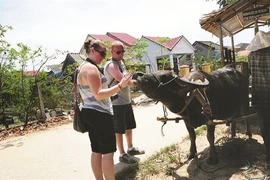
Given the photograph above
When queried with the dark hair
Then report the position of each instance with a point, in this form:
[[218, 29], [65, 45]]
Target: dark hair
[[95, 43]]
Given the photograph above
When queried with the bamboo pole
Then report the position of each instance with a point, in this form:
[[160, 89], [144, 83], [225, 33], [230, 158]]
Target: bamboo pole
[[221, 44]]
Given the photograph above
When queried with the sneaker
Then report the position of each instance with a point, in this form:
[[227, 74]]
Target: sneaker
[[135, 151], [127, 159]]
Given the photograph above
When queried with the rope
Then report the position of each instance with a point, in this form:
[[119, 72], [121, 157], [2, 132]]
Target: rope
[[162, 134], [253, 170], [162, 84], [165, 113]]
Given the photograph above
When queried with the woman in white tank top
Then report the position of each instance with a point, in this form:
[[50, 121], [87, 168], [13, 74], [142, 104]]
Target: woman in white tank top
[[97, 109]]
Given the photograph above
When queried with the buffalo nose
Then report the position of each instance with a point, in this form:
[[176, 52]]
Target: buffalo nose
[[137, 74]]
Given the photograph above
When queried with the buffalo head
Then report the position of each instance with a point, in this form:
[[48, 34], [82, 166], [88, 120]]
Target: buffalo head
[[165, 87]]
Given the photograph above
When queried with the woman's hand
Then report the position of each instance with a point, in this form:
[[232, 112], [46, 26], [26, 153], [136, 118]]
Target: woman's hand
[[125, 80]]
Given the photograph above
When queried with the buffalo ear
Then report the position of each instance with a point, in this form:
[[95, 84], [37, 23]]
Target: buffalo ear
[[188, 86]]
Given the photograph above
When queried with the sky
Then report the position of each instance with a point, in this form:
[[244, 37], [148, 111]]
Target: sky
[[64, 24]]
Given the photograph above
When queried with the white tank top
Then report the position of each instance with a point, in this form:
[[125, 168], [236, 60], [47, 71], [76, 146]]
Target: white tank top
[[124, 96], [90, 102]]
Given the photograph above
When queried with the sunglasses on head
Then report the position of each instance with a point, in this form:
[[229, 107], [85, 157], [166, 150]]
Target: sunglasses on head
[[119, 52], [102, 53]]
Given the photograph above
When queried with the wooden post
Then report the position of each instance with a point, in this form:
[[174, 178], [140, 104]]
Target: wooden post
[[221, 44], [256, 29], [233, 50]]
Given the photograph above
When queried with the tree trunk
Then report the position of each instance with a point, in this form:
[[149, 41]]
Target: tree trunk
[[41, 104]]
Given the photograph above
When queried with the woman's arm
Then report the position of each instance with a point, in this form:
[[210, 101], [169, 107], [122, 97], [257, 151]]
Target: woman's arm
[[91, 76]]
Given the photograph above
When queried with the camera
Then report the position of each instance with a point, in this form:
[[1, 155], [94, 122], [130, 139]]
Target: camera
[[114, 97]]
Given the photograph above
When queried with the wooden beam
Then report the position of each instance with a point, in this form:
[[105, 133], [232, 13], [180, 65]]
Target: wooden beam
[[256, 29], [233, 50], [221, 44], [240, 22], [229, 33], [214, 121]]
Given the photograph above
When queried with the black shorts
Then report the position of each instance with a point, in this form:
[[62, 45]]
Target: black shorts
[[123, 118], [100, 130]]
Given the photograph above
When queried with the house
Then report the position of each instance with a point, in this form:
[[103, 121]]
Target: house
[[72, 58], [126, 39], [179, 51], [31, 73], [54, 70], [206, 49], [241, 47]]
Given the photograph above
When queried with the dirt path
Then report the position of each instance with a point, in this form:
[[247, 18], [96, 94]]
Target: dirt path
[[60, 153], [239, 158]]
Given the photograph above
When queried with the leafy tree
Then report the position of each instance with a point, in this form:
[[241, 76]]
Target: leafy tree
[[132, 54], [44, 58], [61, 88], [164, 62], [27, 89], [201, 59], [19, 93], [6, 68], [133, 57], [224, 3]]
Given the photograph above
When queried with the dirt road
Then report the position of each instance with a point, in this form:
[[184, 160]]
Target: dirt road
[[63, 154]]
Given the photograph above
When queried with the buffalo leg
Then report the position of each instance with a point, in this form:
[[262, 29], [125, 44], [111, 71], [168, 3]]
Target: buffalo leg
[[233, 125], [192, 137], [232, 128], [213, 156], [248, 130]]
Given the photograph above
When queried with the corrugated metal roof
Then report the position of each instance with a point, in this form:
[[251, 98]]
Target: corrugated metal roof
[[78, 57], [72, 58], [208, 44], [124, 38], [55, 67], [231, 18], [102, 37]]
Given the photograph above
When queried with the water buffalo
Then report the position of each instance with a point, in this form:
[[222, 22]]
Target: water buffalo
[[227, 93]]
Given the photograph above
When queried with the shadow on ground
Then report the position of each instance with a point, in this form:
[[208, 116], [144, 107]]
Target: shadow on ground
[[237, 157], [11, 143]]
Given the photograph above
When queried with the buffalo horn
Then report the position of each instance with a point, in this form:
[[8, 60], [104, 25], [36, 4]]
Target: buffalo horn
[[196, 83]]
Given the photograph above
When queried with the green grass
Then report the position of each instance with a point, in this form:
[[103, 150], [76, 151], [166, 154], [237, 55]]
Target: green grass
[[152, 165], [169, 155], [198, 131]]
